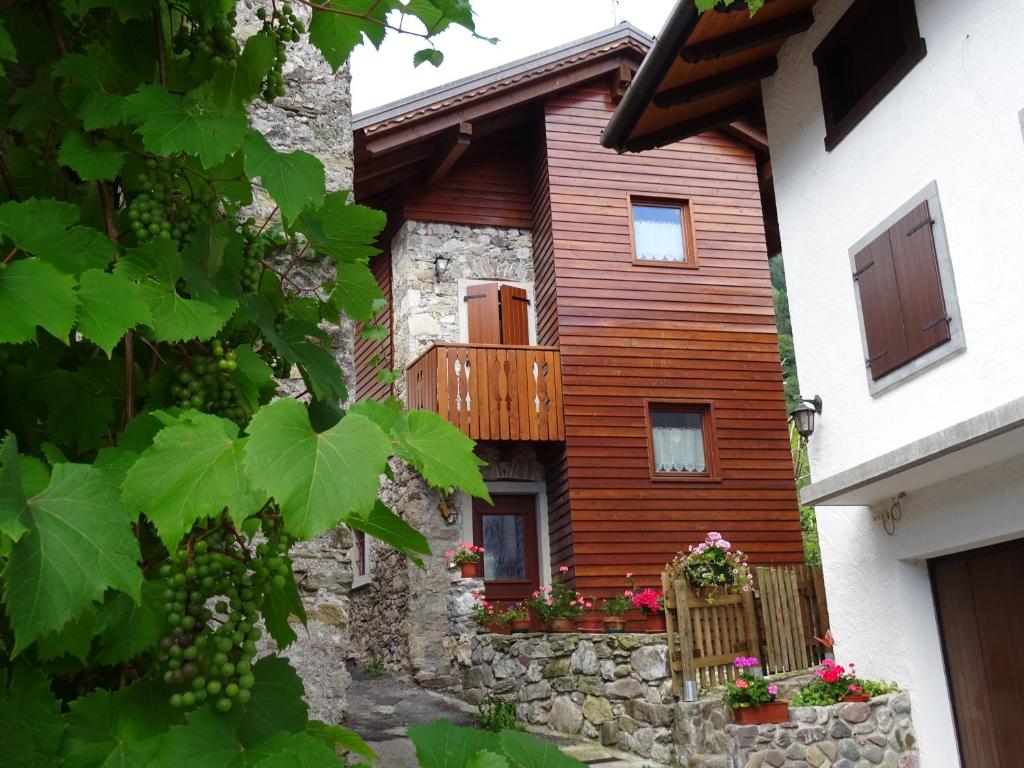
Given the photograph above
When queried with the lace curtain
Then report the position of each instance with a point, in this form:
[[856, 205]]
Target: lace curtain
[[504, 548], [678, 442], [657, 233]]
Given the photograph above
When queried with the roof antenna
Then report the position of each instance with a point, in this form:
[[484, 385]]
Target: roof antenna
[[615, 11]]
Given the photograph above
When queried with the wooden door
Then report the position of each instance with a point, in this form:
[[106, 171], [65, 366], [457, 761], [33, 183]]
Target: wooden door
[[978, 596], [482, 314], [508, 533], [515, 316]]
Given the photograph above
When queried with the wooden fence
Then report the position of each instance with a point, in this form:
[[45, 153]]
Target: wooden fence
[[776, 622]]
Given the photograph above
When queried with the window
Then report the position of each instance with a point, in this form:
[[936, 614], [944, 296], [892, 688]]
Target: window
[[361, 566], [497, 314], [905, 292], [680, 440], [871, 48], [662, 233]]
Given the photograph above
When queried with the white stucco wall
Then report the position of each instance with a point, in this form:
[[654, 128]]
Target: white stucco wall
[[953, 120]]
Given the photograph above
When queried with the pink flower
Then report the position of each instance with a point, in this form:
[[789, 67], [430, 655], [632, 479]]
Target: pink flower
[[563, 569], [741, 683], [773, 689], [629, 575], [714, 536]]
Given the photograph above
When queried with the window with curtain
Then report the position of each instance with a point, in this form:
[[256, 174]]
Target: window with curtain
[[658, 233], [504, 548], [678, 441]]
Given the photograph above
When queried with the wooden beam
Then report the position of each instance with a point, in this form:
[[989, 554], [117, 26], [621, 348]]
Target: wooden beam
[[456, 149], [748, 134], [686, 129], [723, 81], [621, 78], [747, 38]]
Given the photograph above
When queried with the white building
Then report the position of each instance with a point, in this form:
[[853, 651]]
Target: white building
[[896, 133]]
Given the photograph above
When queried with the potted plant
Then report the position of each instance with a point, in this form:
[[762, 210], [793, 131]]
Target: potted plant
[[466, 557], [558, 606], [614, 610], [518, 618], [652, 603], [753, 699], [490, 617], [591, 620], [713, 567], [834, 683]]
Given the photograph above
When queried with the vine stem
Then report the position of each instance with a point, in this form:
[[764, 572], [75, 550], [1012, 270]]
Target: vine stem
[[128, 413], [161, 46], [10, 255], [267, 221], [5, 171]]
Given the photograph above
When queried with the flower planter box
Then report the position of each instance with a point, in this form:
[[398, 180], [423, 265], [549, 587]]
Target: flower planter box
[[520, 626], [654, 623], [469, 570], [614, 625], [561, 625], [498, 629], [591, 623], [857, 697], [772, 712]]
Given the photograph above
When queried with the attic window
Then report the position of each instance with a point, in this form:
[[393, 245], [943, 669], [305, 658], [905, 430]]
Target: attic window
[[871, 48]]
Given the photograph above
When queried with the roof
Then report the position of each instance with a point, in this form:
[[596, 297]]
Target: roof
[[704, 71], [488, 82]]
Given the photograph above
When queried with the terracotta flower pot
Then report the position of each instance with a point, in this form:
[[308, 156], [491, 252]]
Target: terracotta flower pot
[[469, 570], [614, 625], [498, 629], [856, 697], [654, 623], [560, 625], [591, 623], [772, 712], [518, 626]]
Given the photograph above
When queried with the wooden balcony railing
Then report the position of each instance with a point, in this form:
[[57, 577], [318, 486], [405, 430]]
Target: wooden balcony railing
[[491, 392]]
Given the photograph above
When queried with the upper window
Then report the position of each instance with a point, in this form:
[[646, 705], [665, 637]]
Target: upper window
[[865, 55], [680, 440], [905, 290], [662, 233]]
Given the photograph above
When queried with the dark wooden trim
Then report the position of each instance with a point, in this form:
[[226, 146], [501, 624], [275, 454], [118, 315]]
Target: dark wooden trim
[[717, 83], [457, 148], [621, 78], [706, 408], [750, 37], [685, 224], [684, 130]]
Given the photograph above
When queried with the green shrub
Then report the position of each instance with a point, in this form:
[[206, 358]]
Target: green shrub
[[375, 668], [497, 715]]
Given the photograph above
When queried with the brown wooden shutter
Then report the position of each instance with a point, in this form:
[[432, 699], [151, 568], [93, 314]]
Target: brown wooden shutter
[[515, 319], [880, 307], [484, 318], [917, 274]]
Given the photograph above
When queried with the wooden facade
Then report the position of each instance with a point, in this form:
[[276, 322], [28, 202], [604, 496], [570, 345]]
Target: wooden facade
[[630, 334]]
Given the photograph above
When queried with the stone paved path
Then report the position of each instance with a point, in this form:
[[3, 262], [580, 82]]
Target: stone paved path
[[380, 710]]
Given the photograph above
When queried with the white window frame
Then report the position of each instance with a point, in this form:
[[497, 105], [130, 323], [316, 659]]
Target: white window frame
[[531, 313]]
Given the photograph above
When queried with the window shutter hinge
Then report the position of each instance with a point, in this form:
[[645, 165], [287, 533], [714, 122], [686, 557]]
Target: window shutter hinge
[[862, 270], [936, 321], [922, 225], [868, 361]]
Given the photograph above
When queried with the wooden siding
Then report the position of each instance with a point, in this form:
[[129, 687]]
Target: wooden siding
[[630, 332], [367, 385], [489, 186]]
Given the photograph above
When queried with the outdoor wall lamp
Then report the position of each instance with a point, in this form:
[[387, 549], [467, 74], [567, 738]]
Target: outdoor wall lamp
[[803, 416], [440, 267]]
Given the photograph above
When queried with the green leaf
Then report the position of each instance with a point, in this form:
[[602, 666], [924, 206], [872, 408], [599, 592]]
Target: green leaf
[[530, 752], [35, 475], [79, 407], [13, 504], [125, 9], [487, 760], [357, 292], [30, 721], [90, 162], [114, 463], [155, 268], [443, 745], [276, 703], [169, 125], [79, 544], [109, 305], [288, 750], [384, 525], [209, 740], [294, 179], [7, 50], [255, 379], [73, 639], [340, 738], [318, 479], [319, 366], [33, 293], [337, 34], [432, 55], [344, 232], [278, 606], [147, 619], [235, 86], [440, 452], [43, 227], [438, 15], [192, 471]]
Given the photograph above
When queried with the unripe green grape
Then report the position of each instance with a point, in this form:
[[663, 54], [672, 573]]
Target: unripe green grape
[[231, 690], [223, 705]]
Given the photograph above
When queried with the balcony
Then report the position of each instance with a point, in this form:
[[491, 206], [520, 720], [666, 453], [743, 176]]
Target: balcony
[[491, 392]]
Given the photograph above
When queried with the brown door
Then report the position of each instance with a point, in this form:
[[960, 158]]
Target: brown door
[[979, 596], [508, 533], [484, 315]]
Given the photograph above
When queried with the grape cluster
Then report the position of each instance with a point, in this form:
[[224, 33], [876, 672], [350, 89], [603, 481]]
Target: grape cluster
[[204, 382], [216, 43], [214, 596], [164, 211], [285, 27]]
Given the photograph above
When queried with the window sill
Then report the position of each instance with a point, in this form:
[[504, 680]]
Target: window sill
[[359, 582], [911, 369], [657, 264], [685, 478]]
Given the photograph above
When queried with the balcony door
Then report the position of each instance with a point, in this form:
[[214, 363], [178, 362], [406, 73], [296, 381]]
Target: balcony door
[[508, 533], [497, 313]]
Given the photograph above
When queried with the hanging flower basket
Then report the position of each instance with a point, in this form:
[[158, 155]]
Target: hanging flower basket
[[772, 712]]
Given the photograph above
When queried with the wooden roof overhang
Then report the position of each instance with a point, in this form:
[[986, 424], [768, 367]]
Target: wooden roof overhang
[[704, 72], [415, 142]]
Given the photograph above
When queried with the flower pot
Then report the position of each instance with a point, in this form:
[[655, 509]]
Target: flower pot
[[591, 623], [469, 570], [772, 712], [560, 625], [518, 626], [654, 623], [614, 625], [856, 697], [498, 629]]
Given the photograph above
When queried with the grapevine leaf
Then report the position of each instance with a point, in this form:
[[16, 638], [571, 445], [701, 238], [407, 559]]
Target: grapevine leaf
[[440, 452], [357, 292], [78, 544], [192, 471], [35, 475], [444, 745], [384, 525], [125, 9], [432, 55], [89, 91], [337, 34], [276, 703], [438, 15], [235, 86], [530, 752], [79, 408], [279, 605], [385, 414], [487, 760], [108, 306], [73, 639], [7, 50], [33, 293], [30, 721], [91, 163], [340, 738], [43, 227], [169, 125], [147, 620], [287, 750], [319, 366], [13, 504], [344, 232], [155, 268], [319, 479], [114, 463], [294, 179], [255, 379], [209, 740]]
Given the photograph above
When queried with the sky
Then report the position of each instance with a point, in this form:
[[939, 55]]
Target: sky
[[524, 27]]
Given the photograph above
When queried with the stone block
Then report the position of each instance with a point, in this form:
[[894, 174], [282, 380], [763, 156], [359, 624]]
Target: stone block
[[474, 695], [629, 642], [746, 735], [855, 712], [901, 703], [566, 716], [651, 662], [642, 741], [810, 735], [829, 750], [622, 670], [590, 685], [536, 691], [609, 733], [774, 758], [815, 757], [626, 688], [628, 725], [804, 714], [848, 749], [872, 753], [840, 730], [558, 667], [584, 659], [597, 710], [655, 714], [910, 761], [796, 751]]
